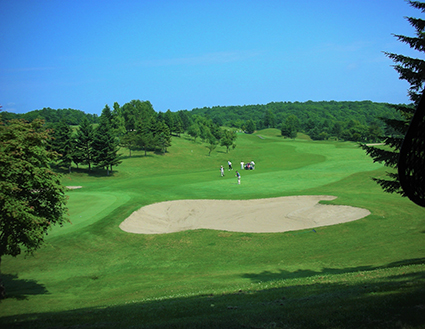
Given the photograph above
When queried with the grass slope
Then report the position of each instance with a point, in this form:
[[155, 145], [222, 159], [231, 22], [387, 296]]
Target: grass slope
[[367, 273]]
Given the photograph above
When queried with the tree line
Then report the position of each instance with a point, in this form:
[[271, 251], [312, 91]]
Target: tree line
[[134, 126], [70, 116], [353, 121]]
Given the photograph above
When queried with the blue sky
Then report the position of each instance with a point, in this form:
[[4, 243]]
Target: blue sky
[[185, 54]]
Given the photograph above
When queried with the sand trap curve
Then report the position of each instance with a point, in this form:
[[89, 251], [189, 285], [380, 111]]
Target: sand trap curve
[[255, 216]]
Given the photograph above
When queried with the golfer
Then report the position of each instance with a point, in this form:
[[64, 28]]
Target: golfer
[[238, 175], [222, 171]]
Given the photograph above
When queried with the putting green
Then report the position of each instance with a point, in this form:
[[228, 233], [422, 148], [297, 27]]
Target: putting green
[[88, 208]]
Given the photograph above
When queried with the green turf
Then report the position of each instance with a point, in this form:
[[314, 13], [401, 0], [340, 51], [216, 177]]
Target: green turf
[[357, 274]]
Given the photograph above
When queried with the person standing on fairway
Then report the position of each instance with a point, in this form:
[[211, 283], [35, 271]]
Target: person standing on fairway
[[230, 165], [238, 175], [222, 171]]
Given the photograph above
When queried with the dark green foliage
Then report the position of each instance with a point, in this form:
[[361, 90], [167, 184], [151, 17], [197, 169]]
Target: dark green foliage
[[71, 116], [136, 111], [290, 127], [250, 126], [319, 120], [194, 131], [63, 143], [105, 147], [228, 139], [83, 146], [413, 71], [162, 136], [411, 163], [32, 198]]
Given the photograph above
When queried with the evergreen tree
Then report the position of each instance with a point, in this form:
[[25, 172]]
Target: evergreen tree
[[162, 136], [169, 120], [84, 140], [413, 71], [63, 143], [117, 121], [105, 147], [145, 135], [129, 141], [107, 114]]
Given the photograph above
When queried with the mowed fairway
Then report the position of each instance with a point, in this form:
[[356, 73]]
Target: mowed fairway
[[92, 274]]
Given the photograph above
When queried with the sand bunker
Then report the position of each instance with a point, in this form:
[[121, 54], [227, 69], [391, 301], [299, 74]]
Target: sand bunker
[[255, 216], [73, 187]]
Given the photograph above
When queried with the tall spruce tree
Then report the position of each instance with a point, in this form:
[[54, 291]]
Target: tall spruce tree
[[413, 71], [63, 143], [84, 140], [105, 146]]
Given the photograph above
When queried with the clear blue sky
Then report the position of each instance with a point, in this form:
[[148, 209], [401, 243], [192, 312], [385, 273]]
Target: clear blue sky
[[83, 54]]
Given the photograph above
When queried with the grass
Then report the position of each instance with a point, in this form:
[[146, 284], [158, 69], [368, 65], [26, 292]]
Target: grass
[[369, 273]]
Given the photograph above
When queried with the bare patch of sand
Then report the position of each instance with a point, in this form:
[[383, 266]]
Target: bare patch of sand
[[255, 216], [73, 187]]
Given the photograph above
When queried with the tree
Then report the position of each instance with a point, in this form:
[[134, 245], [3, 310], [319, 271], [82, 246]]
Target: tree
[[290, 127], [32, 198], [84, 140], [212, 144], [413, 71], [105, 147], [117, 121], [250, 126], [169, 121], [162, 136], [194, 131], [228, 139], [129, 141], [107, 114], [63, 143], [269, 119]]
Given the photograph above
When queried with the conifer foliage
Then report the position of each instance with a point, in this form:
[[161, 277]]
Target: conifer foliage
[[413, 71], [105, 146]]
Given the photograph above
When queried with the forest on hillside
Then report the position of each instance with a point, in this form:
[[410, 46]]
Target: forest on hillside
[[345, 120], [354, 121], [49, 115]]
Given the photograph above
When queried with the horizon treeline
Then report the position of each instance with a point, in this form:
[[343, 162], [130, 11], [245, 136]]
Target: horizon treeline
[[358, 121], [49, 115]]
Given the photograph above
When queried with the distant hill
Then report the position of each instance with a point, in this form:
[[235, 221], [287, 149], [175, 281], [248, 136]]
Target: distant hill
[[275, 113], [71, 116]]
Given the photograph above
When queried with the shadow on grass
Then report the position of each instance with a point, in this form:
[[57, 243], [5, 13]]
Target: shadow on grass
[[282, 274], [20, 289], [366, 300], [136, 156], [94, 172]]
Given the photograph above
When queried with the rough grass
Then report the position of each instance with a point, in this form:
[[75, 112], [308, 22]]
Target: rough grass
[[368, 273]]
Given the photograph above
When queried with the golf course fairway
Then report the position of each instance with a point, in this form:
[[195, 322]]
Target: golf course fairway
[[366, 272]]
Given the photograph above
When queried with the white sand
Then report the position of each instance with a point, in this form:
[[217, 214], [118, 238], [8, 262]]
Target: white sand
[[73, 187], [257, 216]]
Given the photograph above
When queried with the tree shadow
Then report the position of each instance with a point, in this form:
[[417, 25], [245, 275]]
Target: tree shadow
[[372, 301], [266, 276], [136, 156], [20, 289]]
